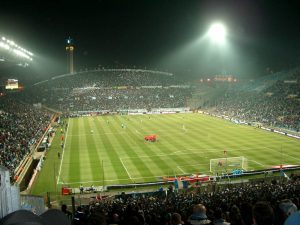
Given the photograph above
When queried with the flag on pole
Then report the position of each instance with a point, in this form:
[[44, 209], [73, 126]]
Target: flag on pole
[[185, 184], [286, 176], [178, 183], [283, 174]]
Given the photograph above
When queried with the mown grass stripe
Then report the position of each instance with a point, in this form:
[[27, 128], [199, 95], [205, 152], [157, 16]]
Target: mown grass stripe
[[135, 166], [167, 146], [206, 138], [108, 144], [158, 165], [92, 160], [72, 162]]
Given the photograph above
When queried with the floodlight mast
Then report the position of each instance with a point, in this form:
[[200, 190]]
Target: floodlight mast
[[217, 33]]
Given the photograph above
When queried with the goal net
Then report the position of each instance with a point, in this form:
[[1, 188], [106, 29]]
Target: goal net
[[228, 164]]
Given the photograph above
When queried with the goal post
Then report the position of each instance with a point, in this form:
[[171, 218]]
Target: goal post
[[228, 164]]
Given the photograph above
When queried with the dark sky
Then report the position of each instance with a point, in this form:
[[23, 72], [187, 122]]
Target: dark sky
[[155, 34]]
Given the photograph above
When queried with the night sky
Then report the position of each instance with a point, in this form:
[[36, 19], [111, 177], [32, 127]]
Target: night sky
[[156, 34]]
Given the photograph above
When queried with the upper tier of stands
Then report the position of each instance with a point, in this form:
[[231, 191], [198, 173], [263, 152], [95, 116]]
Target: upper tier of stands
[[111, 90], [111, 78]]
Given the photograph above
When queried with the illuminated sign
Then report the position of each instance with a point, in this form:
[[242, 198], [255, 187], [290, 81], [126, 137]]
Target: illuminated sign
[[12, 84]]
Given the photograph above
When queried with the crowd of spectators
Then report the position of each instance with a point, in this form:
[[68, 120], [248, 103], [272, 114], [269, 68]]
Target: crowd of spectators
[[112, 90], [113, 78], [234, 204], [277, 105], [122, 99], [21, 125]]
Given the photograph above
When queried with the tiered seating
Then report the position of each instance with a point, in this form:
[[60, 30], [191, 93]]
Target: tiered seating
[[112, 90], [21, 125]]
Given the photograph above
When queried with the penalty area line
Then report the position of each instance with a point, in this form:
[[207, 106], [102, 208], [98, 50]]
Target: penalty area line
[[280, 152], [125, 169], [115, 180], [258, 163], [181, 170], [112, 180]]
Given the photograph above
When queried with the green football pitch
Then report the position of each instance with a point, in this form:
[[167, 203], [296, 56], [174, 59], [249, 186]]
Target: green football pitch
[[108, 150]]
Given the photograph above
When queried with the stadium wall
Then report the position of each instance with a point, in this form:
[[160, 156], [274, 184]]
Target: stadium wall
[[35, 204], [134, 111], [9, 194]]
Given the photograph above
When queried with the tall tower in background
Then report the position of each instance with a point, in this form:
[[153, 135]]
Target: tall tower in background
[[70, 55]]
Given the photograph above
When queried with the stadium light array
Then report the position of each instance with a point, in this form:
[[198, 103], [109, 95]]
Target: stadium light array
[[5, 46], [21, 53], [11, 46], [217, 33]]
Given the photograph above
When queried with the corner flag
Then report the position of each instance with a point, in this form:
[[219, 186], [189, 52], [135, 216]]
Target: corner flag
[[283, 174]]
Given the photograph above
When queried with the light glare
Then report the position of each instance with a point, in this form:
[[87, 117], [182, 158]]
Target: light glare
[[11, 46], [20, 53], [217, 33], [5, 46]]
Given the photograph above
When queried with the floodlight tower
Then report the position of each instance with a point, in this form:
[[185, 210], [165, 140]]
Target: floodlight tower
[[70, 54]]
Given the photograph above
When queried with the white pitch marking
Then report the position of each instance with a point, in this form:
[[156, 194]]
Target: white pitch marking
[[113, 180], [99, 134], [181, 169], [258, 163], [198, 164], [125, 169], [187, 152], [282, 153], [176, 152], [62, 157]]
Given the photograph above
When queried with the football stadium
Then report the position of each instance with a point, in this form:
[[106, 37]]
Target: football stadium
[[121, 126]]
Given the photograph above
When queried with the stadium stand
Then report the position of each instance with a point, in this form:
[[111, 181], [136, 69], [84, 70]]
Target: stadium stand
[[21, 127], [112, 90], [235, 201], [276, 104]]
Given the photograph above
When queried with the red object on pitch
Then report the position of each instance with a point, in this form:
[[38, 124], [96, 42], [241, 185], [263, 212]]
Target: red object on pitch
[[151, 137]]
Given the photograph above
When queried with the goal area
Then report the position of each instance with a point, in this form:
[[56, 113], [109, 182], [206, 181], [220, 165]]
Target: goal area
[[229, 164]]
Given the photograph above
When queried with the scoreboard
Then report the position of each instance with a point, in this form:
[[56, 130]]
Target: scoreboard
[[12, 84]]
